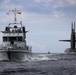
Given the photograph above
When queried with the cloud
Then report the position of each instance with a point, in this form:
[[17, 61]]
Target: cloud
[[29, 18], [56, 3], [72, 2], [8, 4], [58, 14], [43, 1]]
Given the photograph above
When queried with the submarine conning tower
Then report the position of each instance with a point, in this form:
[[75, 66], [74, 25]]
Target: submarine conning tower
[[72, 39], [73, 36]]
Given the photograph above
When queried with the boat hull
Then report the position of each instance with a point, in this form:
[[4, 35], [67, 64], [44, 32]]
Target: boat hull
[[14, 55]]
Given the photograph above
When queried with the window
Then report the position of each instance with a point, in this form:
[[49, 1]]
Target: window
[[20, 38], [4, 38], [12, 39]]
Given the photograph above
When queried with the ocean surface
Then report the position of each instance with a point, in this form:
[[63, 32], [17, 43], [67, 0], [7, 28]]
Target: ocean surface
[[41, 64]]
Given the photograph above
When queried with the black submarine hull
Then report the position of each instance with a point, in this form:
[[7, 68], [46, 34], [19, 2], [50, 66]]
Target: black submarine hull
[[70, 51]]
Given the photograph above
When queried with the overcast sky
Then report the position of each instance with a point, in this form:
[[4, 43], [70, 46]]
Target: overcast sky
[[47, 21]]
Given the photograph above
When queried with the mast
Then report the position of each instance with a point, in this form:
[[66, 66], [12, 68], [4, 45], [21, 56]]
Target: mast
[[15, 19], [15, 12]]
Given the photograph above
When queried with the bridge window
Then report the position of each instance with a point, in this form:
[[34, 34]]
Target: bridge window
[[19, 38], [4, 38], [12, 39]]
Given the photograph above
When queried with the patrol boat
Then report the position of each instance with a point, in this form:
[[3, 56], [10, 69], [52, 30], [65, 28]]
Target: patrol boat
[[72, 41], [14, 46]]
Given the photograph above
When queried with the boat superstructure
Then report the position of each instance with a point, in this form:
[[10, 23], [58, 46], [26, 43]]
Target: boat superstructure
[[72, 41], [14, 46]]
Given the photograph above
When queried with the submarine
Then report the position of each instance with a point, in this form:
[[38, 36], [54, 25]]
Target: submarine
[[72, 40]]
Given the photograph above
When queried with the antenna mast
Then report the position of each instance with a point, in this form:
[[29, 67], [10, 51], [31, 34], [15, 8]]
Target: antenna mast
[[16, 12]]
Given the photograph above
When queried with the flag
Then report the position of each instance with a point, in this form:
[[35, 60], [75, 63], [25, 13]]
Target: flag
[[8, 13], [14, 11], [18, 12]]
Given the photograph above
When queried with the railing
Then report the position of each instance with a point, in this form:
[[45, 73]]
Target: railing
[[15, 47], [29, 48]]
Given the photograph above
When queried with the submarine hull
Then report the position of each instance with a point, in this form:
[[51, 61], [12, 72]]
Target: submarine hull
[[69, 51]]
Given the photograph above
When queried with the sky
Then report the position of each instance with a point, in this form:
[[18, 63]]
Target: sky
[[47, 21]]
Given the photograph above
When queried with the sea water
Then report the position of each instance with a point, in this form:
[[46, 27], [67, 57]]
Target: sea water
[[41, 64]]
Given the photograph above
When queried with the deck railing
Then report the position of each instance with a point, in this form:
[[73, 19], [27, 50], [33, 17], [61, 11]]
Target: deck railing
[[15, 47]]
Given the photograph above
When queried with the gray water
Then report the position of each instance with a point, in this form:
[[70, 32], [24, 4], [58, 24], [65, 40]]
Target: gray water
[[41, 64]]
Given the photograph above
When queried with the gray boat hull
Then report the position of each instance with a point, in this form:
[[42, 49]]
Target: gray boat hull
[[14, 55]]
